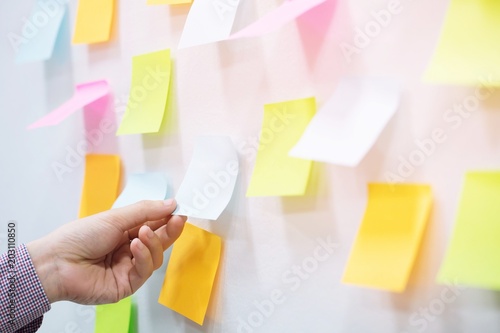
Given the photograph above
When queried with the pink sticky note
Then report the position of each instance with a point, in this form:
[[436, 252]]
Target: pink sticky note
[[85, 94], [288, 11]]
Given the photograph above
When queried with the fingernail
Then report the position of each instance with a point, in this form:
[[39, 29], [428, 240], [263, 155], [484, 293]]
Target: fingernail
[[150, 233], [140, 245], [168, 202]]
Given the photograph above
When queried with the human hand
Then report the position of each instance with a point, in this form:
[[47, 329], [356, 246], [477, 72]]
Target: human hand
[[108, 256]]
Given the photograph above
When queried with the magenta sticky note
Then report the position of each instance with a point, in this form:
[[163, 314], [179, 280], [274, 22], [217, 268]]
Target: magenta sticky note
[[85, 94], [287, 12]]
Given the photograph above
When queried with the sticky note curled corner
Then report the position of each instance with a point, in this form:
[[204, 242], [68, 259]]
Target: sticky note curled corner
[[210, 179], [345, 129], [168, 2], [275, 173], [85, 94], [115, 317], [285, 13], [389, 237], [148, 93], [468, 56], [191, 273], [472, 255], [100, 184], [94, 19], [41, 45]]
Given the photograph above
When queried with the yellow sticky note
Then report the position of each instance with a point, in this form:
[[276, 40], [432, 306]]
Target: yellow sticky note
[[93, 21], [191, 273], [275, 173], [468, 52], [389, 238], [473, 253], [101, 183], [148, 94], [168, 2], [115, 317]]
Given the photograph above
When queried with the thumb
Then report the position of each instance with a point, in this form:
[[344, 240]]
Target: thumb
[[128, 217]]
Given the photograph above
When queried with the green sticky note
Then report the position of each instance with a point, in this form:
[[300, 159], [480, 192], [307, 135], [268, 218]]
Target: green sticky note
[[148, 94], [115, 317], [473, 253], [275, 173], [468, 51]]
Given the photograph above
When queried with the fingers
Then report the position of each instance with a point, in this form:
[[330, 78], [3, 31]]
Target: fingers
[[143, 264], [131, 216], [152, 242], [133, 233], [170, 232]]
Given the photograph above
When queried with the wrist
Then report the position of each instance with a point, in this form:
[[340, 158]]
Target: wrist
[[45, 262]]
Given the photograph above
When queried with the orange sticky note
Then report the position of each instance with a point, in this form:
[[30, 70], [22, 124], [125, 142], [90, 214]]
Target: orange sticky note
[[191, 273], [93, 21], [101, 183], [389, 237]]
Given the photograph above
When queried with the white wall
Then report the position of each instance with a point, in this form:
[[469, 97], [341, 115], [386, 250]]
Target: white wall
[[221, 88]]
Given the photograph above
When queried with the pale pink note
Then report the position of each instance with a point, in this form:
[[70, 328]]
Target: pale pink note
[[85, 94], [288, 11]]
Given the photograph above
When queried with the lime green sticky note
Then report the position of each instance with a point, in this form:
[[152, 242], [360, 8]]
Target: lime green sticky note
[[114, 318], [468, 52], [148, 93], [275, 173], [473, 255]]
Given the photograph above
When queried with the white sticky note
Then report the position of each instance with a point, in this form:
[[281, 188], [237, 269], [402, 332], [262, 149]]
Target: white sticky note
[[209, 183], [143, 186], [208, 21], [345, 129]]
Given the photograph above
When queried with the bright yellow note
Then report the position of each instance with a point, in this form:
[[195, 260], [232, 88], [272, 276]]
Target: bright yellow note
[[389, 237], [148, 94], [115, 317], [101, 183], [275, 173], [191, 273], [167, 2], [468, 52], [473, 253], [93, 21]]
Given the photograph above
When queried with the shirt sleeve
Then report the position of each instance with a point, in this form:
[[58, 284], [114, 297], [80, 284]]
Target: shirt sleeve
[[22, 298]]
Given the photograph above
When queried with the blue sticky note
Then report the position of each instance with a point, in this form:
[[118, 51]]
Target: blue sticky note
[[40, 31], [143, 186]]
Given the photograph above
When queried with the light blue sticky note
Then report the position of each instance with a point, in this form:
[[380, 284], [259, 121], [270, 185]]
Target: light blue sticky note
[[209, 182], [143, 186], [39, 33]]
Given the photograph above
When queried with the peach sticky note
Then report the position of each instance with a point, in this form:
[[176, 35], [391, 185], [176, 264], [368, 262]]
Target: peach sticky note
[[191, 273], [148, 93], [168, 2], [468, 49], [389, 237], [472, 257], [275, 173], [93, 21], [85, 94], [101, 183]]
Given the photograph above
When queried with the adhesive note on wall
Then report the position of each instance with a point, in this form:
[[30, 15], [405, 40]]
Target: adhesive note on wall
[[142, 186], [42, 28], [191, 273], [348, 125], [100, 184], [115, 317], [389, 237], [468, 50], [472, 256], [208, 21], [168, 2], [209, 182], [287, 12], [148, 93], [85, 94], [93, 21], [275, 173]]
